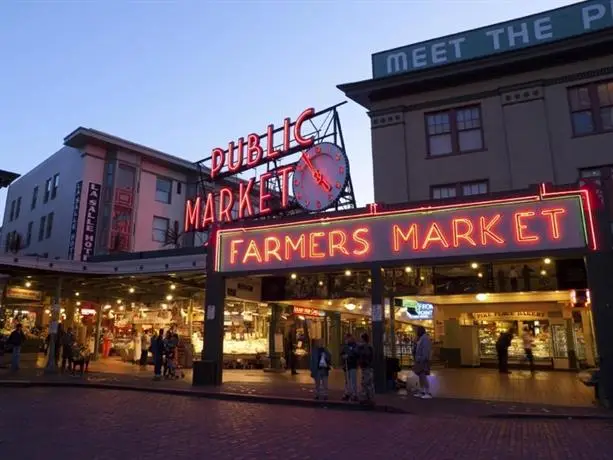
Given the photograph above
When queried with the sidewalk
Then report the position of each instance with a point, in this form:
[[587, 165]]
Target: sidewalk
[[458, 392]]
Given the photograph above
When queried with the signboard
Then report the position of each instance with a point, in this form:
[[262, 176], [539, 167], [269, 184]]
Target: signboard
[[418, 310], [490, 227], [306, 311], [549, 26], [513, 316], [92, 208], [72, 239], [13, 292]]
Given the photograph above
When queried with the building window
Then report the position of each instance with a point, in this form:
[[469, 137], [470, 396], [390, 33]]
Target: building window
[[163, 188], [591, 108], [34, 197], [49, 225], [29, 234], [160, 229], [41, 229], [12, 214], [7, 241], [179, 188], [18, 208], [48, 185], [55, 186], [454, 131], [440, 192]]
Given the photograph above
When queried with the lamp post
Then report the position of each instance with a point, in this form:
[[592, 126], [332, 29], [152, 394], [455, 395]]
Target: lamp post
[[51, 367]]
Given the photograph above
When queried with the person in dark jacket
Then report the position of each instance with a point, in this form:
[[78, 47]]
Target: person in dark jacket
[[67, 342], [502, 349], [349, 358], [157, 350], [320, 369], [366, 355], [15, 341]]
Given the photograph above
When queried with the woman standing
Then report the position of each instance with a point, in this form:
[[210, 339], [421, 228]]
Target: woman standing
[[423, 353]]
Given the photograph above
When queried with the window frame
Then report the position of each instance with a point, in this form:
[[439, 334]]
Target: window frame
[[47, 193], [41, 229], [154, 229], [49, 225], [55, 185], [170, 189], [459, 188], [454, 131], [34, 201], [29, 234], [18, 208], [12, 211], [594, 109]]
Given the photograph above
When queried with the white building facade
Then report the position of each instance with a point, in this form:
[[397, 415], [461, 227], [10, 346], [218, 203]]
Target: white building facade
[[97, 195]]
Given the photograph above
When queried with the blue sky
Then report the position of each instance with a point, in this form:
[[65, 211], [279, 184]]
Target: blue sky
[[185, 76]]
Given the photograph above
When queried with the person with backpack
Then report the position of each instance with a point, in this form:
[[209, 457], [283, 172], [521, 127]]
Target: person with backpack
[[502, 349], [365, 361], [349, 357], [321, 360]]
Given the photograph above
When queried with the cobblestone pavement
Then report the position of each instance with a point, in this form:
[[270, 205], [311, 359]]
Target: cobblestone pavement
[[70, 423]]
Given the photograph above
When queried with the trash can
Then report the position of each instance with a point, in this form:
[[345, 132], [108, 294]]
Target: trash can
[[205, 373]]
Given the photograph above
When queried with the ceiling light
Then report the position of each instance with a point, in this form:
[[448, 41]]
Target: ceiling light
[[543, 272], [370, 280], [28, 284], [131, 290], [169, 297], [347, 272], [547, 260], [118, 301], [78, 304], [293, 276], [480, 275], [329, 302], [408, 269], [350, 306], [474, 265], [107, 307], [121, 308], [77, 294], [422, 278], [173, 287], [321, 283], [481, 297]]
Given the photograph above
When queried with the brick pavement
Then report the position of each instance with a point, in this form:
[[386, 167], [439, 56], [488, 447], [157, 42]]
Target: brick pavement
[[68, 423]]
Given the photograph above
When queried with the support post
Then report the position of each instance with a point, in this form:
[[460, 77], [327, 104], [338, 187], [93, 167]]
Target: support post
[[99, 313], [51, 367], [275, 355], [378, 327], [210, 370]]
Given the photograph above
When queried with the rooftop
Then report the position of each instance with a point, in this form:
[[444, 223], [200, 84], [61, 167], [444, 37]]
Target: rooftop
[[6, 178]]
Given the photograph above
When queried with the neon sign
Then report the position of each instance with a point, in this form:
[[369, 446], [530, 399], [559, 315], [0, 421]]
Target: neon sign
[[248, 200], [491, 227], [306, 311]]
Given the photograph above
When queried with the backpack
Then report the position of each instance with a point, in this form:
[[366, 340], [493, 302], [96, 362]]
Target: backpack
[[366, 356], [323, 362]]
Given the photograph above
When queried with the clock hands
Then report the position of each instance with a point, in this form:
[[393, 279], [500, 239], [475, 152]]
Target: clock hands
[[317, 175]]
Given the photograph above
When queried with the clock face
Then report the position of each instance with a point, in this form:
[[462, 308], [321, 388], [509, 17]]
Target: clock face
[[320, 176]]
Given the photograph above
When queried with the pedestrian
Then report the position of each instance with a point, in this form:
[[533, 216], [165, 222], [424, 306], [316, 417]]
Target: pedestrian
[[144, 352], [349, 357], [421, 368], [157, 350], [15, 341], [528, 341], [321, 360], [137, 344], [502, 348], [107, 343], [67, 342], [365, 361]]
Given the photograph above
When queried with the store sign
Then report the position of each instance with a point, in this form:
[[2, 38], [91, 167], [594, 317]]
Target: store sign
[[508, 315], [90, 225], [305, 311], [549, 26], [418, 310], [241, 155], [76, 207], [13, 292], [493, 227]]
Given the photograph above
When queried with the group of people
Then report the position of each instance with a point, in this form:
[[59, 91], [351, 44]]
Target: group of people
[[164, 348], [502, 349], [353, 356]]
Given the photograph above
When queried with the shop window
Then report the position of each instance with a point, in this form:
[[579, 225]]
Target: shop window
[[591, 108], [49, 228], [41, 229], [34, 197], [55, 186], [160, 229], [440, 192], [454, 131], [163, 189], [29, 234]]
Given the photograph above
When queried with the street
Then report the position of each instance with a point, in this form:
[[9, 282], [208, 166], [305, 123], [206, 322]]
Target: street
[[59, 423]]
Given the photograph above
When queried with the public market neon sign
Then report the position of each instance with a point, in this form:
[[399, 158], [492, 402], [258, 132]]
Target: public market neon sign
[[544, 222], [242, 155]]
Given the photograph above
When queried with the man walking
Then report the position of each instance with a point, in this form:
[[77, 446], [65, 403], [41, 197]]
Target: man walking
[[15, 341], [349, 357], [67, 342], [365, 361], [421, 368], [502, 348]]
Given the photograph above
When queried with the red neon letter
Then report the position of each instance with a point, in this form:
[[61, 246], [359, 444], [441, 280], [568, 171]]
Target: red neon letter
[[487, 231], [284, 173], [234, 251], [272, 245], [286, 137], [314, 246], [254, 150], [304, 116], [235, 164], [554, 223], [365, 249], [252, 251], [208, 217], [434, 234], [338, 240], [226, 203], [264, 194], [270, 143], [465, 235], [398, 235], [192, 214], [298, 245], [218, 159], [521, 227], [244, 199]]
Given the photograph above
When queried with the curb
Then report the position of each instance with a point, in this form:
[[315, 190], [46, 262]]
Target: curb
[[220, 396], [531, 416]]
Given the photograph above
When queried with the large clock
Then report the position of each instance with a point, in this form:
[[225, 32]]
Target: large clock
[[320, 176]]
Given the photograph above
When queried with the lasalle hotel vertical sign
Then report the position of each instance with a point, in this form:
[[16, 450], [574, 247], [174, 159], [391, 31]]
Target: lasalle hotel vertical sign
[[92, 208]]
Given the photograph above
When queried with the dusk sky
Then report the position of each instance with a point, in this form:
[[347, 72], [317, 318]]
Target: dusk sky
[[186, 76]]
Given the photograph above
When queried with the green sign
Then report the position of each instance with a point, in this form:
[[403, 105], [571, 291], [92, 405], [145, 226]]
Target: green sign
[[550, 26]]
